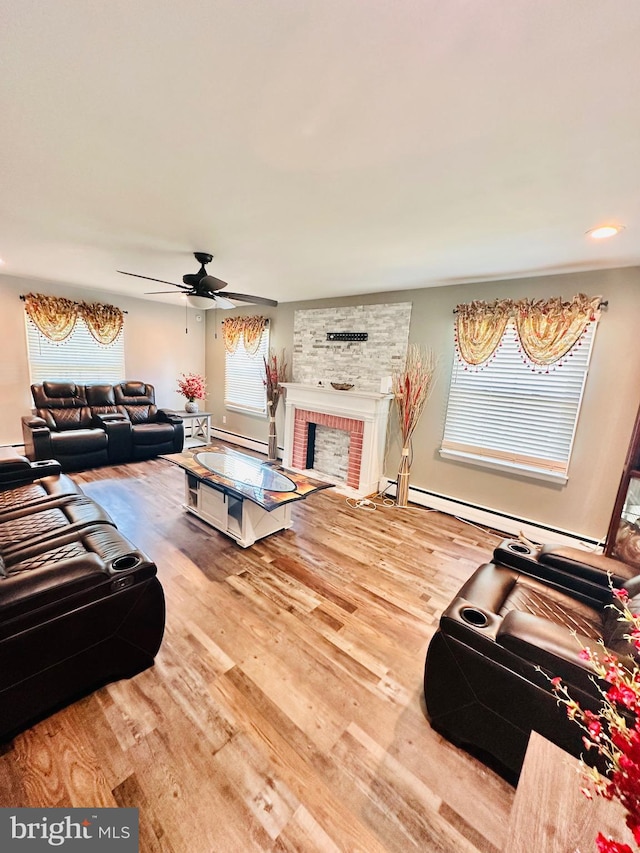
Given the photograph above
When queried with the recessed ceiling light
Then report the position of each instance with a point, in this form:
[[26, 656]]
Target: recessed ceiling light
[[604, 231]]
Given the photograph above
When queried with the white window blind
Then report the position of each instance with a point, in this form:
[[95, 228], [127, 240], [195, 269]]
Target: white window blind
[[80, 358], [507, 416], [244, 387]]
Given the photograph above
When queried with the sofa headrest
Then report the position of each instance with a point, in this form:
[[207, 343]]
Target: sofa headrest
[[58, 395], [100, 395], [134, 394]]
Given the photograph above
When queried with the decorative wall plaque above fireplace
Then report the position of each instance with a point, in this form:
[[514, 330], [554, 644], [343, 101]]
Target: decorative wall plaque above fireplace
[[347, 336]]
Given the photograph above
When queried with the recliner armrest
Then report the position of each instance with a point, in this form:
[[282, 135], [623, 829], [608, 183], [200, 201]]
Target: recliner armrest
[[586, 564], [36, 436], [118, 429], [100, 419], [34, 422], [168, 415], [15, 468]]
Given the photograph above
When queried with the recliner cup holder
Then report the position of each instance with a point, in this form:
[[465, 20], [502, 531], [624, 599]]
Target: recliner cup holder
[[519, 548], [127, 561], [475, 617]]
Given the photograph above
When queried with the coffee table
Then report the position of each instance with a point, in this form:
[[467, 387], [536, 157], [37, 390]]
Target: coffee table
[[240, 495]]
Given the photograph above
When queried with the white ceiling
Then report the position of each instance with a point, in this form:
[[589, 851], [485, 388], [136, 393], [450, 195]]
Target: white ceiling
[[317, 147]]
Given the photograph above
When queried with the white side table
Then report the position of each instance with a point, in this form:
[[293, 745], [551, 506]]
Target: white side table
[[197, 428]]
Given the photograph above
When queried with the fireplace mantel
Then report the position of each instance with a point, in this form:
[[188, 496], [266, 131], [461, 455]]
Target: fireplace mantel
[[368, 408]]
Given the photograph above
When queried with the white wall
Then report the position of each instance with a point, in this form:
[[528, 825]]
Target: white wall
[[157, 350]]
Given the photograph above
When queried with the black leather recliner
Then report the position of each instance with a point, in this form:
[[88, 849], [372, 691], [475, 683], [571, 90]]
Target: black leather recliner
[[84, 426], [62, 427], [153, 430], [518, 622], [80, 605]]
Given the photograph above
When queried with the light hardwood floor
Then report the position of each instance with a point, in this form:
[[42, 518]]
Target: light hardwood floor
[[284, 711]]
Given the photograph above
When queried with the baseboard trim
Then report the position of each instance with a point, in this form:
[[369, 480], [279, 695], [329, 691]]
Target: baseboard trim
[[512, 525], [243, 441]]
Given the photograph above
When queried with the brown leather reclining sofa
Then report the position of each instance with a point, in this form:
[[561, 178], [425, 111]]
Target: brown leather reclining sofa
[[83, 426], [515, 624], [79, 604]]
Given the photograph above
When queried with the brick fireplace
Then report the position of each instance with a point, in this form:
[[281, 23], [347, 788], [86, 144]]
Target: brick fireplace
[[363, 415], [301, 457]]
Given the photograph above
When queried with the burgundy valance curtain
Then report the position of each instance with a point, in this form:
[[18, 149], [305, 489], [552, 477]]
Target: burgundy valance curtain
[[55, 317], [248, 328], [547, 328]]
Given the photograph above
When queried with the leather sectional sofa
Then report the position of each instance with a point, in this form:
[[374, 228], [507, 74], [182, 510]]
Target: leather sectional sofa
[[83, 426], [80, 605], [515, 624]]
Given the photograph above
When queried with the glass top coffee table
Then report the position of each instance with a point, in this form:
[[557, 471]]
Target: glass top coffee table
[[243, 496], [245, 470]]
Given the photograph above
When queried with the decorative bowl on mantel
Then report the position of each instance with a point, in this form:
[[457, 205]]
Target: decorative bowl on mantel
[[341, 386]]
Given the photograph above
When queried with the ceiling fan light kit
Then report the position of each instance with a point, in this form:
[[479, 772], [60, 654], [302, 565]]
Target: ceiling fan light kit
[[201, 302], [201, 289]]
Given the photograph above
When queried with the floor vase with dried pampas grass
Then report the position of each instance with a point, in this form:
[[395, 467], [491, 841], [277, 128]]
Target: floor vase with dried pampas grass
[[275, 372], [411, 388]]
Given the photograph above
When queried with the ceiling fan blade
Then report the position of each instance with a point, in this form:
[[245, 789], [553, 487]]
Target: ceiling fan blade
[[153, 292], [210, 282], [148, 278], [223, 302], [258, 300]]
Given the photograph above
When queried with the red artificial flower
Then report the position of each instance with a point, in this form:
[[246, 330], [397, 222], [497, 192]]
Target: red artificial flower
[[634, 826], [621, 594], [622, 695], [595, 728], [608, 845]]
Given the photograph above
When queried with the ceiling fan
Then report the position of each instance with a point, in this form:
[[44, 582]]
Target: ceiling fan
[[201, 289]]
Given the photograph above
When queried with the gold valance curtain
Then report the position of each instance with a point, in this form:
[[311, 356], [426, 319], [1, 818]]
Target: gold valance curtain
[[480, 327], [104, 321], [248, 328], [55, 317], [547, 328]]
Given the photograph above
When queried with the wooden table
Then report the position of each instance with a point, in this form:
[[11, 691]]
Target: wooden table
[[550, 814], [197, 428]]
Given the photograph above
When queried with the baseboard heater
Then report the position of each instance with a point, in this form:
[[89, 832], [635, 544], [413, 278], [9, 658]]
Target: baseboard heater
[[495, 519], [243, 440]]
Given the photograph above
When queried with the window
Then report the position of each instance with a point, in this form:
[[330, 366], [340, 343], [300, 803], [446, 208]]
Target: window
[[509, 417], [79, 358], [244, 388]]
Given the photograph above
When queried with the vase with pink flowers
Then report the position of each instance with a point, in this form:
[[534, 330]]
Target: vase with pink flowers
[[193, 387]]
